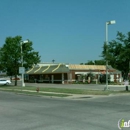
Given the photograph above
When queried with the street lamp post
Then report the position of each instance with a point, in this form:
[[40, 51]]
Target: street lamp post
[[22, 42], [107, 23]]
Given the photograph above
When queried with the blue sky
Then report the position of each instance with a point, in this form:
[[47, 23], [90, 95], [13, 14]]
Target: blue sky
[[68, 31]]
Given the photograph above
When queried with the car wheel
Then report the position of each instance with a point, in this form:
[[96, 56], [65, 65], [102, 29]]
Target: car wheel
[[7, 83]]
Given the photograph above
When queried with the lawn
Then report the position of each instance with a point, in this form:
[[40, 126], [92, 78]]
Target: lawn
[[62, 92]]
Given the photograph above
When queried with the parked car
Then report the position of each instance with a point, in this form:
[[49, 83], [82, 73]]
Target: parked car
[[4, 82]]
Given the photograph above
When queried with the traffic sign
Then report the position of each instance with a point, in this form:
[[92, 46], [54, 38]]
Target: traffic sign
[[21, 70]]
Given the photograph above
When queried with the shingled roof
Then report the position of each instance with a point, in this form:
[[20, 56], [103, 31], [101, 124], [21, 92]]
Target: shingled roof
[[62, 68], [87, 67]]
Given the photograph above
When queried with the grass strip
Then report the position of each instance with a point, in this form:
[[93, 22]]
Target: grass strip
[[64, 90], [35, 93]]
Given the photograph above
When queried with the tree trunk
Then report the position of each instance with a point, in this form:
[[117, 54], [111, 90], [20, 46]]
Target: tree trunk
[[15, 79]]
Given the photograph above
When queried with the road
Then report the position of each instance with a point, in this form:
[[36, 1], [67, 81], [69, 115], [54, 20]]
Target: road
[[22, 112]]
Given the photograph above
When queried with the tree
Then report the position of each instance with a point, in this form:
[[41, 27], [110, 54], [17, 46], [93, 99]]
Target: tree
[[81, 63], [95, 62], [100, 62], [117, 52], [10, 56], [90, 62]]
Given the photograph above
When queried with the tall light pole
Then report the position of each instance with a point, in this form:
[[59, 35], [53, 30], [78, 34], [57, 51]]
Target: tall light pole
[[107, 23], [21, 44]]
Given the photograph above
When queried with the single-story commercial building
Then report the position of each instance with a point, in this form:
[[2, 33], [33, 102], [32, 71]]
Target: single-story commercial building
[[67, 73]]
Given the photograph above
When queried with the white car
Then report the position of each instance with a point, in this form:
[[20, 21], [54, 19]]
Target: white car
[[4, 82]]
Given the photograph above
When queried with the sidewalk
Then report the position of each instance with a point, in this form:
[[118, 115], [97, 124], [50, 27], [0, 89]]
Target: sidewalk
[[71, 96]]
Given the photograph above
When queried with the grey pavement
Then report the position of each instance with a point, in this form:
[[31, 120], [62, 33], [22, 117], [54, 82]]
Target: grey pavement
[[22, 112]]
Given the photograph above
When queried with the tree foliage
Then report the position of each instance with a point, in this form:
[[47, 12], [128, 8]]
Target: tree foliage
[[117, 52], [95, 62], [10, 56]]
